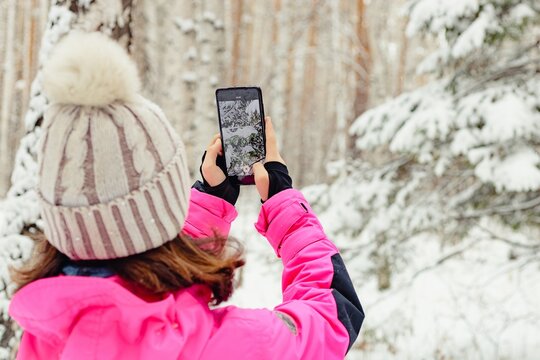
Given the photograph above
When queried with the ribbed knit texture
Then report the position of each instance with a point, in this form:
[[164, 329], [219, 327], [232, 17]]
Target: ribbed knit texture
[[113, 178]]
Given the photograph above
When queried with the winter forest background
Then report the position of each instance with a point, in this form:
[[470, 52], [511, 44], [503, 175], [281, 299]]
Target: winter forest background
[[412, 126]]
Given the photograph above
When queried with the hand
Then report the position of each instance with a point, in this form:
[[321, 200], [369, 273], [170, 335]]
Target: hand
[[272, 177], [213, 169]]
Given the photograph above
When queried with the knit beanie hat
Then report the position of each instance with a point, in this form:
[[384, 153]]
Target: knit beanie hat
[[113, 177]]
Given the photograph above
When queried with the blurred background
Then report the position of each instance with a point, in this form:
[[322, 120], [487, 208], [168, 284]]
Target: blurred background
[[413, 127]]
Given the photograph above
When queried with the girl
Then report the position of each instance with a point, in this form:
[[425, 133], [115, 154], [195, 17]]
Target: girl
[[133, 258]]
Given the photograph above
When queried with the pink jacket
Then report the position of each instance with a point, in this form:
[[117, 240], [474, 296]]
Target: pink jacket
[[77, 317]]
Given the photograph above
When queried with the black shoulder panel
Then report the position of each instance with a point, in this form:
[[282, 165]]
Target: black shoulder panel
[[350, 312]]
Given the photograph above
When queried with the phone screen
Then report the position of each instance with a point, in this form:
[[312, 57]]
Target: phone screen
[[242, 131]]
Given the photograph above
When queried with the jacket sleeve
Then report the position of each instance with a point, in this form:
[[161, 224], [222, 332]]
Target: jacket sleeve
[[320, 315], [207, 215]]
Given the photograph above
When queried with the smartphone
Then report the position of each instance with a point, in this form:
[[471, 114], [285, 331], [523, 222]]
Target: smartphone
[[241, 124]]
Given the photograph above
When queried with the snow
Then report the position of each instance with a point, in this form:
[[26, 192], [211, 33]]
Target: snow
[[463, 27], [519, 171], [473, 38], [521, 13], [214, 81], [185, 25], [508, 118], [191, 54], [209, 16], [205, 59], [459, 309], [433, 61], [84, 3], [15, 247], [436, 15], [190, 76]]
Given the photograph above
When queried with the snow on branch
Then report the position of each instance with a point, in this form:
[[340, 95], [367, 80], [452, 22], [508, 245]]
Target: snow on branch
[[495, 130], [463, 27]]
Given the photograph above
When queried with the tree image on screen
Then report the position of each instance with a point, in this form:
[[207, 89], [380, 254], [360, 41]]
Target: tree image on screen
[[241, 128]]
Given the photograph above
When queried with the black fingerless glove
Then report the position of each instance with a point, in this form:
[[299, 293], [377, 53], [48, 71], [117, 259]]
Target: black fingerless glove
[[228, 190], [278, 176]]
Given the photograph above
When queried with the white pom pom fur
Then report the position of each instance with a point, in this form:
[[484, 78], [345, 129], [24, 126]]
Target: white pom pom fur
[[90, 69]]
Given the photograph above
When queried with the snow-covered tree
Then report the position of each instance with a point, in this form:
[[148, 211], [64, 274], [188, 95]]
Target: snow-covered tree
[[462, 147], [453, 162], [19, 211]]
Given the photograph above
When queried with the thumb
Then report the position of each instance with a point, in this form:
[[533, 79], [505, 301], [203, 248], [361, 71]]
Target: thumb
[[262, 180]]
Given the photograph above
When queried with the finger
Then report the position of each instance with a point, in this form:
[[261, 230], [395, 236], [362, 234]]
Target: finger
[[272, 152], [211, 172], [211, 154], [217, 139], [262, 181], [214, 138], [214, 149]]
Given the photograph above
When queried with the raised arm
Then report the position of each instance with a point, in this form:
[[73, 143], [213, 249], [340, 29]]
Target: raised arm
[[320, 306]]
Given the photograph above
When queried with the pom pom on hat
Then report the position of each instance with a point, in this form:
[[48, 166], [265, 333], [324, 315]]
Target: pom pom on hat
[[90, 69]]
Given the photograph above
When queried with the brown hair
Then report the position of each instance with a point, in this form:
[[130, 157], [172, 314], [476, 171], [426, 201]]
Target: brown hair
[[176, 265]]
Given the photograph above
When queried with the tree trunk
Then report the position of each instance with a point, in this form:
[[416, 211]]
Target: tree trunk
[[237, 12], [275, 60], [210, 40], [20, 38], [7, 95], [308, 114], [402, 64], [337, 104], [363, 60]]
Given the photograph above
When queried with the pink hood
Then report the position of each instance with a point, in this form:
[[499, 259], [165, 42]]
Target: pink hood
[[79, 314]]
